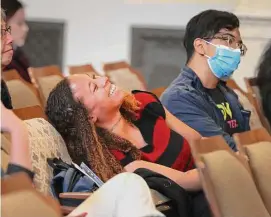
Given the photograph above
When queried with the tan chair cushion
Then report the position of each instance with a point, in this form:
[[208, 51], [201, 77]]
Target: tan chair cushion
[[260, 162], [234, 187], [125, 79], [45, 142], [26, 204], [21, 95], [46, 85]]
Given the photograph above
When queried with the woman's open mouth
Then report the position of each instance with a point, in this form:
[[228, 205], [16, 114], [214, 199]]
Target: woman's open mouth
[[112, 89]]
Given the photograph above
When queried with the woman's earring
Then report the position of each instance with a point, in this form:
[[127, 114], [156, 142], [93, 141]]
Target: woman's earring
[[92, 119], [73, 86]]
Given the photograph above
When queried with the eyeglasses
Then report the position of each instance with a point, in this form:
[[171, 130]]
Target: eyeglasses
[[231, 41], [5, 31]]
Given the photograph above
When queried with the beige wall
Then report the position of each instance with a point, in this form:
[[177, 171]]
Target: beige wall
[[99, 30]]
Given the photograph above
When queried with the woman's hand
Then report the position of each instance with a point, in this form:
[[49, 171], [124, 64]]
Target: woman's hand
[[189, 180]]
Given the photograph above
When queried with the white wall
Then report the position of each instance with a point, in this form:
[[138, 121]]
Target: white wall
[[99, 31]]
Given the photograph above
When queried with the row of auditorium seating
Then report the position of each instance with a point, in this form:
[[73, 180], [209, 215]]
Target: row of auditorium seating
[[25, 95], [236, 185]]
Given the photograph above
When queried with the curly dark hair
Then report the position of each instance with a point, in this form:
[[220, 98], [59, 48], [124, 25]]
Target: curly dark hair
[[264, 68], [86, 142], [207, 24]]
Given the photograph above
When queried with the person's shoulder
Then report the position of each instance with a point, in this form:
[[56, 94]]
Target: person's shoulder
[[177, 91], [145, 97]]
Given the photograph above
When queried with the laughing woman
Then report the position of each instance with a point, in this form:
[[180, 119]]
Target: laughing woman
[[114, 131]]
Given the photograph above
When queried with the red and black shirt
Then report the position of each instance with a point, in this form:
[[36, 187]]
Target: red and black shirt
[[163, 145]]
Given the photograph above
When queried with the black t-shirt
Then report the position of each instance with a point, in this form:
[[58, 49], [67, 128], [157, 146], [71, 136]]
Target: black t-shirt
[[231, 125]]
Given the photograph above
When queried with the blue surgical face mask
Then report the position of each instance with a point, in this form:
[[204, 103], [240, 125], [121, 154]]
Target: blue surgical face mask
[[224, 62]]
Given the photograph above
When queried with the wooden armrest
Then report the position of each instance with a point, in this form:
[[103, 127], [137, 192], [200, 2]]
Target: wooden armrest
[[72, 195], [67, 209], [75, 195]]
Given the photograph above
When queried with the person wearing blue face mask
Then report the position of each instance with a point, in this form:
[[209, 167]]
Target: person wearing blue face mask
[[199, 96]]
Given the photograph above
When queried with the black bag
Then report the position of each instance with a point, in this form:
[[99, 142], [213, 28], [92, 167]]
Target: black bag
[[179, 203], [182, 203], [66, 178]]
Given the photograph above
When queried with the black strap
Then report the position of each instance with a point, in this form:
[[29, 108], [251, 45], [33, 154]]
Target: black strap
[[14, 168], [58, 163]]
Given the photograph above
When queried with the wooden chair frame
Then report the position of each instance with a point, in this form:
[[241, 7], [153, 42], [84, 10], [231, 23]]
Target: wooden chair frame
[[30, 112], [36, 73], [158, 91], [204, 146], [11, 75], [88, 68], [14, 75], [123, 65], [251, 137]]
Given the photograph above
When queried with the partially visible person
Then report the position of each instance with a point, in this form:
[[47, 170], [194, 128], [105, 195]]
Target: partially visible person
[[199, 95], [114, 131], [16, 20], [20, 160], [6, 57], [264, 82]]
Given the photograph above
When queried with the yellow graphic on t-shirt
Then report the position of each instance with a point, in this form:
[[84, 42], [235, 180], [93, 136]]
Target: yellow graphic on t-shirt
[[225, 109]]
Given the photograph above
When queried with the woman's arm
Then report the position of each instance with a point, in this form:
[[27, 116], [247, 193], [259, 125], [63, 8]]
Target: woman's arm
[[19, 152], [189, 180], [181, 128]]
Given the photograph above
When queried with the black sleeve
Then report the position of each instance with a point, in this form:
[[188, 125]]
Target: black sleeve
[[151, 103], [13, 168]]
